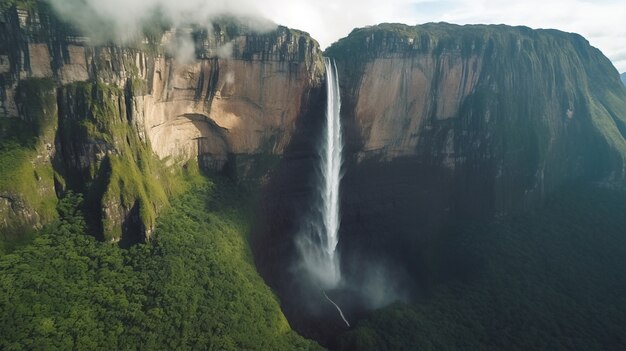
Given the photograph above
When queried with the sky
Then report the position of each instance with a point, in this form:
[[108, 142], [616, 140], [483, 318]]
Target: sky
[[602, 22]]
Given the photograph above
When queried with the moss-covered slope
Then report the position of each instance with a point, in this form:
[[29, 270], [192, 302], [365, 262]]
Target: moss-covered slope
[[100, 153], [27, 194]]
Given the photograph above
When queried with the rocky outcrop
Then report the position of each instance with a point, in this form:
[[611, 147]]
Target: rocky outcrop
[[231, 104]]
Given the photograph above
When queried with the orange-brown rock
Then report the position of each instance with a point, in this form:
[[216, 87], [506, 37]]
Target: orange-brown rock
[[230, 96]]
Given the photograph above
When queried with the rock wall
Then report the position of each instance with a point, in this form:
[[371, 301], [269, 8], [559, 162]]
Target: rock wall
[[526, 109], [232, 104], [446, 122]]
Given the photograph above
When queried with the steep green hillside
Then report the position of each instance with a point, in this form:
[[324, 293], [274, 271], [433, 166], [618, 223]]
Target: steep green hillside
[[27, 197], [22, 4], [553, 279], [623, 76], [192, 287], [101, 154]]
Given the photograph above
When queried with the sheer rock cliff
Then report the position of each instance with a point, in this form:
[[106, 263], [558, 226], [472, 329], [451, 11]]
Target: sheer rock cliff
[[232, 104], [446, 122]]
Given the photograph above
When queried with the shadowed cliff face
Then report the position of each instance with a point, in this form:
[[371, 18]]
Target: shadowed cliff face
[[445, 122], [231, 104]]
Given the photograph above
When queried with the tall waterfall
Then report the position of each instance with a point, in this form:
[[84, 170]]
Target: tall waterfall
[[331, 166], [318, 243]]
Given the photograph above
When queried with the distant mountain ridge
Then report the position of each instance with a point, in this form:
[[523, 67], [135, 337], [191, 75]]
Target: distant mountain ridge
[[623, 76]]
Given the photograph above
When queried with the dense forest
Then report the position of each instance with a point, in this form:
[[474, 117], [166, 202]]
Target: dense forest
[[550, 279], [192, 287]]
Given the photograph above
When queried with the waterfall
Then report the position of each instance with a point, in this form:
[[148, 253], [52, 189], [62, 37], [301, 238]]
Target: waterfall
[[331, 166], [318, 242]]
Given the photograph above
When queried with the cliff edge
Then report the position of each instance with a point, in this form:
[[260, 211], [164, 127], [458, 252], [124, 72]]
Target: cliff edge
[[121, 114]]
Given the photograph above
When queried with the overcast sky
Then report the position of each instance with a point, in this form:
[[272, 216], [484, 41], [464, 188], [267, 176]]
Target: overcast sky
[[602, 22]]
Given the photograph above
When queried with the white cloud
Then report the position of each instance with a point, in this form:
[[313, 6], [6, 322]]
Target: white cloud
[[123, 18], [602, 22], [331, 20]]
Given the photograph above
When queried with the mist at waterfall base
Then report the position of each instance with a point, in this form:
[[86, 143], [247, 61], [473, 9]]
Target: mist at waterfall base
[[370, 283]]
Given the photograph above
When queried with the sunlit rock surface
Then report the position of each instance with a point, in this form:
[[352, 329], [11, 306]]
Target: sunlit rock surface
[[231, 102]]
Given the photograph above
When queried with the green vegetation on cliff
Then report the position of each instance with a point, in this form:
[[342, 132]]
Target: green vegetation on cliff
[[21, 4], [193, 287], [127, 179], [26, 175], [94, 149], [553, 279]]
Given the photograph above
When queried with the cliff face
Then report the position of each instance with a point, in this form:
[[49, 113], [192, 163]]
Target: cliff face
[[445, 122], [232, 105], [514, 96], [442, 124]]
